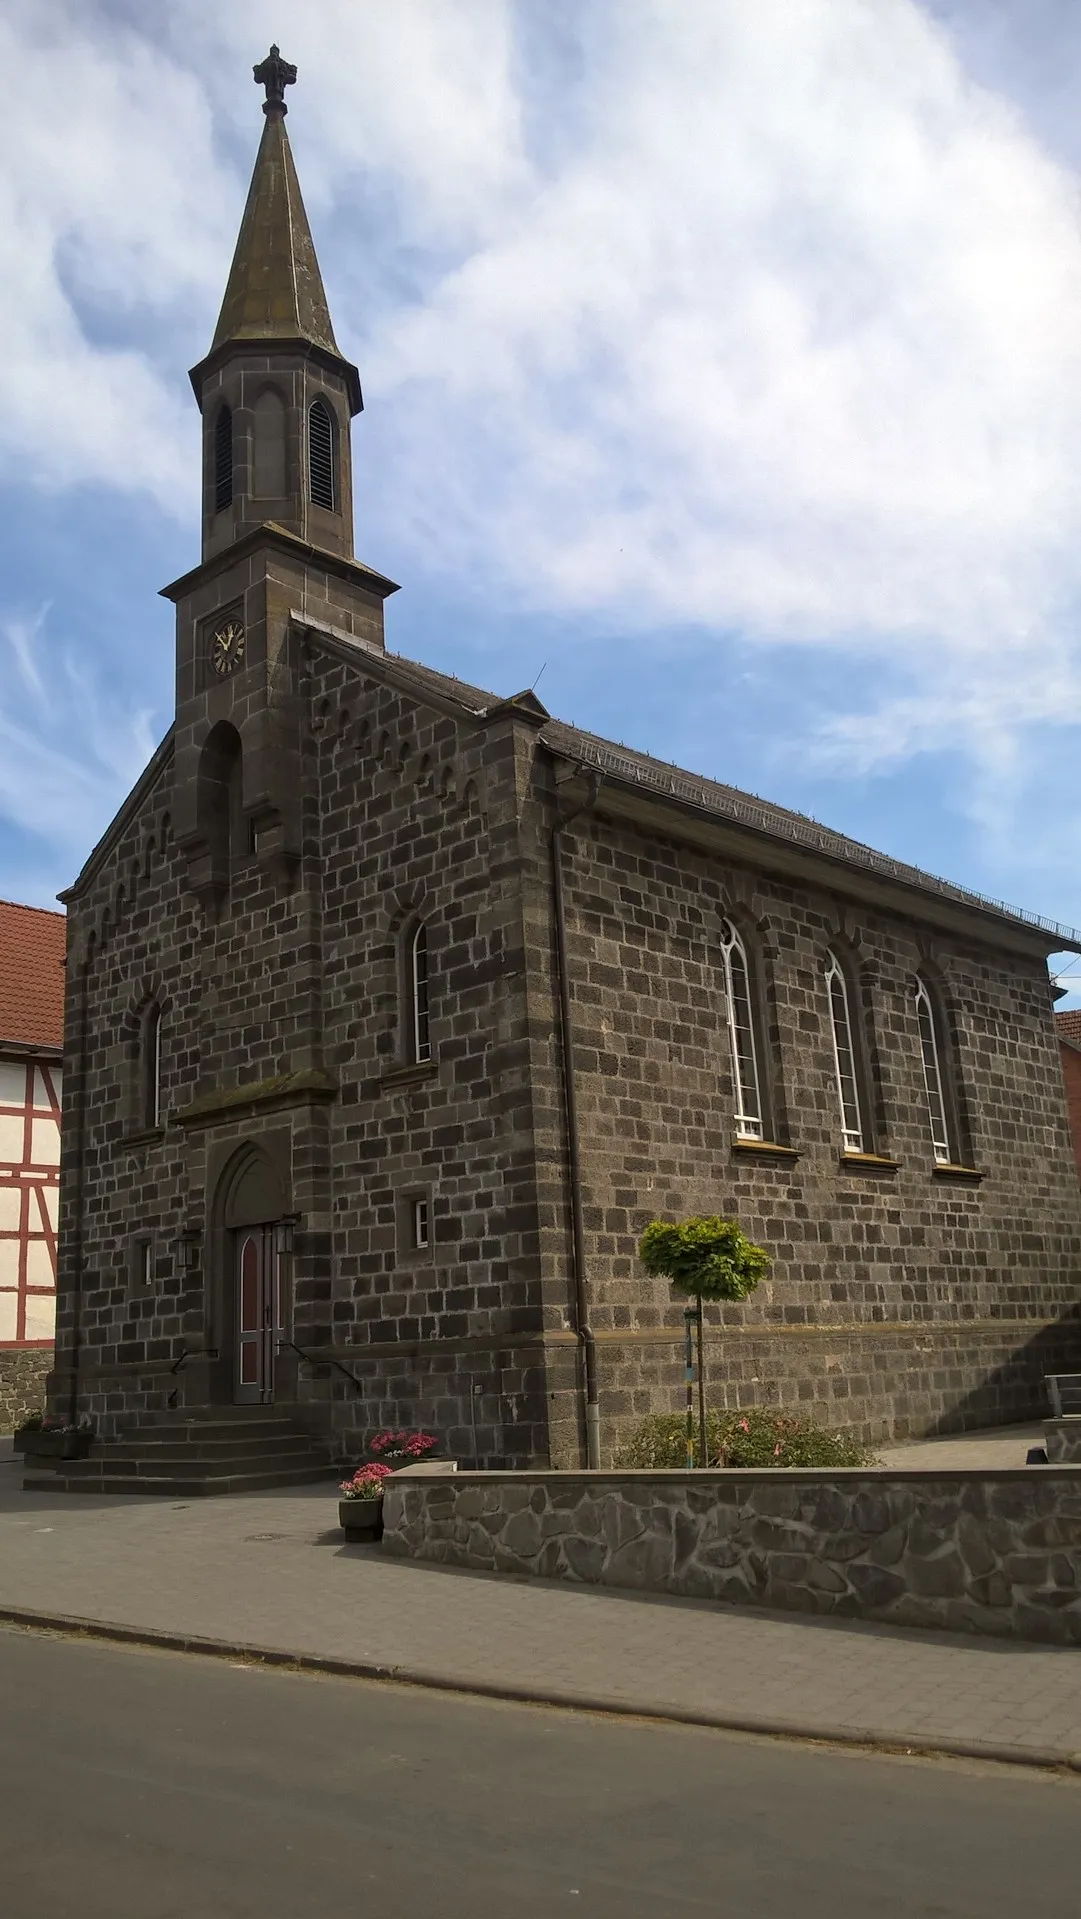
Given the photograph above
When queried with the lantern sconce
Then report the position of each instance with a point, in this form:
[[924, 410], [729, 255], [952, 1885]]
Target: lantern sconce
[[283, 1234], [188, 1251]]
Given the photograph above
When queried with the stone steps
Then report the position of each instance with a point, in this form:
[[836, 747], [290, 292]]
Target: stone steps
[[216, 1449], [178, 1486]]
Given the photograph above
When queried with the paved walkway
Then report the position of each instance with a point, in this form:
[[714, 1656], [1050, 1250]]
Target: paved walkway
[[271, 1572]]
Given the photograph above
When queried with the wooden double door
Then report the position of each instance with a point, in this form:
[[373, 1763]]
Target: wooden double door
[[260, 1313]]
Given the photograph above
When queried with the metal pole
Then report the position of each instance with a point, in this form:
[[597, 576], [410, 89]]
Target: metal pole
[[702, 1445], [688, 1373]]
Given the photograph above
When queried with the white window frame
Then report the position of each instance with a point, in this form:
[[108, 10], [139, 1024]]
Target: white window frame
[[932, 1076], [747, 1085], [421, 1213], [853, 1136], [419, 1009]]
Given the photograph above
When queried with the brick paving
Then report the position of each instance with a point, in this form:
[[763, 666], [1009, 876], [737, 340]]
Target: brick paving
[[271, 1571]]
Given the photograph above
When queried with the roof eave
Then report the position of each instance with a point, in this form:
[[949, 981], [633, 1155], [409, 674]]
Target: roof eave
[[681, 818]]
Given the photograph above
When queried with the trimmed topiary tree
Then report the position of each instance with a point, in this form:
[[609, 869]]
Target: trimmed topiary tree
[[704, 1258]]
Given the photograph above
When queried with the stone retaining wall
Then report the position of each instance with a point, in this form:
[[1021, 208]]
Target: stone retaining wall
[[1062, 1439], [22, 1383], [976, 1551]]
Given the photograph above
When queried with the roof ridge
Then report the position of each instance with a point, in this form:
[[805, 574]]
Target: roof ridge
[[21, 906]]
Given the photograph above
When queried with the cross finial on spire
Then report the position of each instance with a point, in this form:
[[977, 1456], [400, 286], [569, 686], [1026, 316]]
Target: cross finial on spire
[[275, 74]]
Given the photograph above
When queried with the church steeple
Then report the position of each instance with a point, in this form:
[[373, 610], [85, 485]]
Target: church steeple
[[275, 392], [277, 398]]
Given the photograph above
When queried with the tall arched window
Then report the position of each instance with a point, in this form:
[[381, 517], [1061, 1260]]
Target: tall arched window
[[844, 1055], [932, 1075], [321, 454], [150, 1067], [420, 1031], [737, 979], [223, 459]]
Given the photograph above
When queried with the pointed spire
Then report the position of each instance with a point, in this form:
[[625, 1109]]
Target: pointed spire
[[275, 289]]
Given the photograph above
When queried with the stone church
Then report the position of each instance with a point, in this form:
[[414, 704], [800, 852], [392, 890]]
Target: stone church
[[396, 1008]]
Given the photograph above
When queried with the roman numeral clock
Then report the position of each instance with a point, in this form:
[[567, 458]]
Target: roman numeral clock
[[226, 646]]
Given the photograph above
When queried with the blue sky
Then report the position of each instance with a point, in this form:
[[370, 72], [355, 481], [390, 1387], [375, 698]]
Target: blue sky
[[722, 366]]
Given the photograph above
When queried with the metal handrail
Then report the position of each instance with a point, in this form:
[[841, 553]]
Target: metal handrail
[[324, 1361]]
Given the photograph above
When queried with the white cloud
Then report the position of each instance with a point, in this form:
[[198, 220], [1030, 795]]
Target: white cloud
[[69, 746], [768, 321]]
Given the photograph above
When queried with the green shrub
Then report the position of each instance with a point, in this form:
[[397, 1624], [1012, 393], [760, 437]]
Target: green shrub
[[712, 1257], [754, 1437]]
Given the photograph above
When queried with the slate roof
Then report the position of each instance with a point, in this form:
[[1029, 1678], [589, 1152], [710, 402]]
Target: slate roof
[[32, 944], [625, 764]]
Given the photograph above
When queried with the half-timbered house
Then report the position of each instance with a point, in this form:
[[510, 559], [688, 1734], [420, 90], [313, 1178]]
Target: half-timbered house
[[31, 1045]]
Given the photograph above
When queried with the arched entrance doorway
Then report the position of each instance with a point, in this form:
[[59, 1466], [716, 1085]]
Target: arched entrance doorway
[[257, 1300]]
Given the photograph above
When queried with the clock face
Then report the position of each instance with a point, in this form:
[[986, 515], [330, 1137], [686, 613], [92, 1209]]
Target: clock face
[[226, 647]]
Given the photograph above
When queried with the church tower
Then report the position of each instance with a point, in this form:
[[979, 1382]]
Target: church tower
[[276, 398]]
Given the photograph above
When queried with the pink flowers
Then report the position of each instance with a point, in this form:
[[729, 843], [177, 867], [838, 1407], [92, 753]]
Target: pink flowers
[[402, 1445], [743, 1426], [366, 1482]]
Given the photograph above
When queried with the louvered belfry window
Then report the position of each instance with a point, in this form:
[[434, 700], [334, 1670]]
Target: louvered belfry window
[[223, 460], [321, 455]]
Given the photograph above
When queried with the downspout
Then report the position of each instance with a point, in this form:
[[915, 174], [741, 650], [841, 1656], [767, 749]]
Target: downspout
[[586, 1336]]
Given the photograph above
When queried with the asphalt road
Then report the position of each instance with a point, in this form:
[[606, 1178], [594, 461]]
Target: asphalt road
[[143, 1785]]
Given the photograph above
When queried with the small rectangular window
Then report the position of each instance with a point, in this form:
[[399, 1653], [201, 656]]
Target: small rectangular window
[[141, 1263], [421, 1224]]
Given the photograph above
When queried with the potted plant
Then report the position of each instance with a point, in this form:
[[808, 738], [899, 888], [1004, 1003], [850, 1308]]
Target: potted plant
[[360, 1508], [48, 1436], [403, 1448], [704, 1258]]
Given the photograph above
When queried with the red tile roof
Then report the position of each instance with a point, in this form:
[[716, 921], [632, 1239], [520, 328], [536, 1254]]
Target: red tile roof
[[1069, 1025], [32, 944]]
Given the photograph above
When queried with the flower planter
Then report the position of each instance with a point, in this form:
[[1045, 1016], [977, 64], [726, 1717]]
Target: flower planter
[[362, 1518], [35, 1444]]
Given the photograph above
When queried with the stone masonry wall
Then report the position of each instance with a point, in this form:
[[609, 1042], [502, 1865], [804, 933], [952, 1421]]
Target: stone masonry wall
[[904, 1298], [971, 1551], [22, 1384]]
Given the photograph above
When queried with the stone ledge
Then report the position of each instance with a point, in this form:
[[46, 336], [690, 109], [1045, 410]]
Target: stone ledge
[[400, 1078], [964, 1175], [869, 1163], [765, 1149], [265, 1095]]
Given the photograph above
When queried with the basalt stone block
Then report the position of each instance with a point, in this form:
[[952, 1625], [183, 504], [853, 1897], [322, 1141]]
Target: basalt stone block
[[776, 1502], [621, 1524], [521, 1535], [644, 1564], [876, 1586], [1026, 1569], [825, 1578], [889, 1546], [585, 1558], [944, 1577], [722, 1554], [975, 1550]]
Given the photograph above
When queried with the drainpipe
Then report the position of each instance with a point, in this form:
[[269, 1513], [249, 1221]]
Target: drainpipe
[[586, 1336]]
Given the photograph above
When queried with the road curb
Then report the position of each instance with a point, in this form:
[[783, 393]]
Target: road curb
[[917, 1745]]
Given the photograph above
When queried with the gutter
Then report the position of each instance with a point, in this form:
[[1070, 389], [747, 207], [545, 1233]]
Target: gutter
[[583, 1330]]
